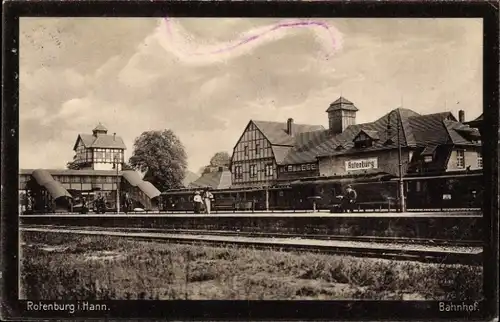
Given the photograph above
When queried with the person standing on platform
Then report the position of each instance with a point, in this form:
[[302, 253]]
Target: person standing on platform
[[350, 198], [197, 202], [207, 199], [126, 202]]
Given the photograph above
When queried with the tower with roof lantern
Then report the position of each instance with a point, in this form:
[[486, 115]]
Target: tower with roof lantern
[[341, 114]]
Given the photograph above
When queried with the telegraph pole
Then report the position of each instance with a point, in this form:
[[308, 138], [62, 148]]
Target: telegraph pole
[[117, 187], [400, 159]]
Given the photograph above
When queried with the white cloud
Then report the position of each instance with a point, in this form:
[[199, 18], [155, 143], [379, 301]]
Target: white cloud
[[129, 75]]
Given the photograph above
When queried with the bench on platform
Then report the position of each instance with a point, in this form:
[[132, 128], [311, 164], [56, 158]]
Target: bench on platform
[[224, 204]]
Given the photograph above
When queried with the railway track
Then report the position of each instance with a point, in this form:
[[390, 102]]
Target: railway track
[[252, 234], [399, 250]]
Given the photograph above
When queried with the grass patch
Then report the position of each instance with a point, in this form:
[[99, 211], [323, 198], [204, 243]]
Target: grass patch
[[97, 267]]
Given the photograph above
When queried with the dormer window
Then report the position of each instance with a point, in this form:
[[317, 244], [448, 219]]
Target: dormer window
[[428, 153], [365, 139], [339, 148], [363, 144]]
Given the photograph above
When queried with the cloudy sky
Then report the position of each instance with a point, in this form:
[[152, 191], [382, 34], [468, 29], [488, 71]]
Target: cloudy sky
[[206, 78]]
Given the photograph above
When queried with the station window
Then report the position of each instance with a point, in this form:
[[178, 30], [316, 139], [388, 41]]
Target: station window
[[257, 149], [238, 173], [246, 150], [363, 144], [269, 170], [253, 170], [428, 158], [460, 159], [479, 160]]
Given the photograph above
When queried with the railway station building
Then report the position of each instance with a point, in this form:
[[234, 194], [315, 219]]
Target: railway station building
[[431, 149], [97, 168]]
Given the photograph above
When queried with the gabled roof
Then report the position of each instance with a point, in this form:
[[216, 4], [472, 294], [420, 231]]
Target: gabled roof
[[213, 180], [461, 134], [429, 150], [429, 129], [370, 133], [342, 104], [101, 141], [276, 133], [415, 131], [280, 153]]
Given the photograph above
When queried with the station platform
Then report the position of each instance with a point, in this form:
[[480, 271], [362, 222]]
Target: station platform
[[266, 214]]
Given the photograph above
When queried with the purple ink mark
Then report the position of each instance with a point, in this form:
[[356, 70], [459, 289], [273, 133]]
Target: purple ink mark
[[247, 40]]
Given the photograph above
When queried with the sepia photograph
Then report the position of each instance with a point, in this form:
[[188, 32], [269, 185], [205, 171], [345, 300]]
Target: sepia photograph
[[250, 158]]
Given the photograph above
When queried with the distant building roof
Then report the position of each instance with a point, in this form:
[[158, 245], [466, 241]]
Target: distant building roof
[[101, 141], [213, 180]]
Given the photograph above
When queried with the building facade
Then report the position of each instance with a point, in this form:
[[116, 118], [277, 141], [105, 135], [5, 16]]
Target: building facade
[[98, 151], [95, 169], [402, 145], [261, 149]]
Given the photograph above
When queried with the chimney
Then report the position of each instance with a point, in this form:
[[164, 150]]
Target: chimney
[[289, 126], [114, 136], [461, 116]]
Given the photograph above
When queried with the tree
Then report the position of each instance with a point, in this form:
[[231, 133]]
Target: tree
[[219, 159], [72, 165], [161, 155], [126, 166]]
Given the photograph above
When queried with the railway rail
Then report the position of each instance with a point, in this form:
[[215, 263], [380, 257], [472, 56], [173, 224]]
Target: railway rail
[[237, 233], [471, 255]]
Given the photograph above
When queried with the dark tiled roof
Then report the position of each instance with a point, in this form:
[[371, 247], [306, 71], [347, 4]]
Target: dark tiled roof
[[461, 134], [280, 153], [101, 141], [371, 134], [429, 129], [415, 130], [213, 180], [342, 104], [276, 133], [429, 150]]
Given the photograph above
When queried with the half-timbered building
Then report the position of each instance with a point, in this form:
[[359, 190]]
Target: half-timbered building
[[98, 151], [261, 148]]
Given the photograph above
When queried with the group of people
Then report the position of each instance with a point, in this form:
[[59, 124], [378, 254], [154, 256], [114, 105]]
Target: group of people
[[100, 204], [204, 200]]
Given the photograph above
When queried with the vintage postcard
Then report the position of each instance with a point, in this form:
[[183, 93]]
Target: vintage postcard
[[198, 162]]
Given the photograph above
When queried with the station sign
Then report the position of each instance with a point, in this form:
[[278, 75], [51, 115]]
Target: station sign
[[361, 164]]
